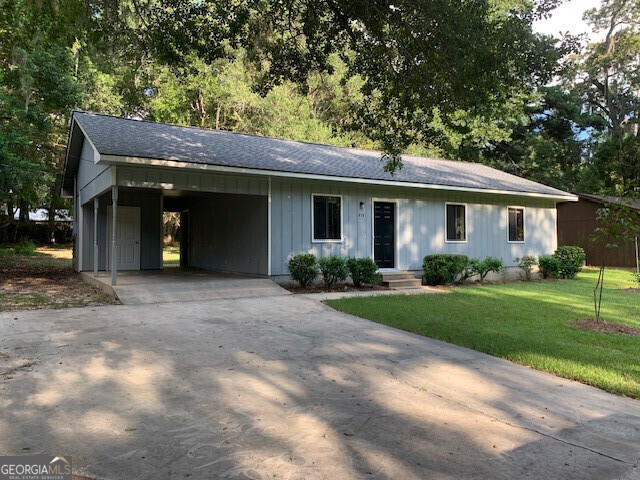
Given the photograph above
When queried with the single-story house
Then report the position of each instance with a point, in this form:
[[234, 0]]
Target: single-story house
[[248, 203], [578, 220]]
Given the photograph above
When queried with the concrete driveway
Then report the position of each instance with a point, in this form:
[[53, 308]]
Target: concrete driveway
[[285, 388]]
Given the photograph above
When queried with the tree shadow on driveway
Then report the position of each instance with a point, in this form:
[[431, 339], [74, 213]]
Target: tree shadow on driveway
[[288, 388]]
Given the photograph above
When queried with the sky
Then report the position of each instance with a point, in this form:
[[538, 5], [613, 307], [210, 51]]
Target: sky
[[568, 17]]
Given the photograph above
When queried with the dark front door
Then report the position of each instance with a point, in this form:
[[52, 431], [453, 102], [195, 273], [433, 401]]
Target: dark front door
[[384, 234]]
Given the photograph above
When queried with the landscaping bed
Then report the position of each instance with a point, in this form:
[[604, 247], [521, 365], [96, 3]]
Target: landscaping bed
[[530, 323], [44, 279], [592, 325], [339, 287]]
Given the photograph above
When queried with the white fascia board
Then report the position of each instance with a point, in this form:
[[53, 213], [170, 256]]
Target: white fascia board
[[96, 153], [310, 176]]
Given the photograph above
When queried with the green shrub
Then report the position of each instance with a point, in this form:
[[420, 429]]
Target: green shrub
[[488, 265], [443, 269], [26, 247], [470, 270], [571, 260], [363, 270], [549, 266], [303, 268], [481, 268], [333, 269], [526, 264]]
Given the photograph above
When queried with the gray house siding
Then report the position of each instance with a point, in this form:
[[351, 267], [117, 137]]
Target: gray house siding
[[150, 203], [229, 225], [92, 178], [250, 197], [229, 233], [176, 179], [420, 223]]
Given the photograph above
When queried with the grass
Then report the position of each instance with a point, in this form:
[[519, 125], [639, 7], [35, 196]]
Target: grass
[[527, 323], [43, 277], [43, 260], [171, 254]]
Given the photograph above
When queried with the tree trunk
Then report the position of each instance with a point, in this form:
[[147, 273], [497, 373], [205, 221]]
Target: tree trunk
[[51, 223], [54, 203], [597, 291], [10, 210], [24, 211]]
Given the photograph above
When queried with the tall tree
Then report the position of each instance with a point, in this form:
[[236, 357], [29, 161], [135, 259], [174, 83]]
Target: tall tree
[[419, 61], [606, 76], [550, 141]]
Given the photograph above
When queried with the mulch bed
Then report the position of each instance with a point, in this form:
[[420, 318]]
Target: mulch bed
[[591, 325], [338, 287]]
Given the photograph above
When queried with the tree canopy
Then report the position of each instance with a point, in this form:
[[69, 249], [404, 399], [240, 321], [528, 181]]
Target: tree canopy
[[464, 79]]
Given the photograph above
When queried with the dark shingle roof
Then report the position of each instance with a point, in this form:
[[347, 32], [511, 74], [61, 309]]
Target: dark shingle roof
[[135, 138], [635, 204]]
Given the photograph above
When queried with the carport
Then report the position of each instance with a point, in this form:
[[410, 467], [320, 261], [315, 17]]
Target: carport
[[220, 231], [182, 284]]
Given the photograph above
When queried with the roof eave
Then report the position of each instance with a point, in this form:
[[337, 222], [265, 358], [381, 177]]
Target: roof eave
[[278, 173]]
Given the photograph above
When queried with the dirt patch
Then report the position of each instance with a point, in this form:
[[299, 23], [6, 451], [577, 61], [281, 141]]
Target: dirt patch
[[631, 290], [591, 325], [56, 252], [51, 290], [338, 287], [30, 282]]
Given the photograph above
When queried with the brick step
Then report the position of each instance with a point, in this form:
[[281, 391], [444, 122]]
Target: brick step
[[397, 276], [403, 283]]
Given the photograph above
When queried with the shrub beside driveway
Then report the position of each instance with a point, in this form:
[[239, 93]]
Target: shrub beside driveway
[[527, 323]]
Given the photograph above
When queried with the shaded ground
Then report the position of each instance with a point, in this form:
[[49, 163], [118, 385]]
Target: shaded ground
[[528, 323], [286, 388], [44, 280]]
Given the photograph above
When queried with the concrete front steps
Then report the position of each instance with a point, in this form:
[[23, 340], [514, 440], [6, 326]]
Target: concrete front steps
[[400, 279]]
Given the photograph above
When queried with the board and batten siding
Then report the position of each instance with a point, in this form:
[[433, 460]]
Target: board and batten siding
[[229, 233], [151, 229], [175, 179], [420, 228], [92, 178]]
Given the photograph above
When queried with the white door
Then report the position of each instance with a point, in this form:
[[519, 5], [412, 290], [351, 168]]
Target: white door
[[127, 238]]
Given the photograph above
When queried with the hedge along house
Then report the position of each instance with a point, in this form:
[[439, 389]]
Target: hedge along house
[[249, 203]]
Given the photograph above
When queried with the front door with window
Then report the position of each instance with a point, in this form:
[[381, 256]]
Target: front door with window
[[127, 238], [384, 236]]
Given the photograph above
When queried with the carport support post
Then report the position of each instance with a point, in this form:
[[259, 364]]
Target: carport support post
[[114, 260], [95, 237]]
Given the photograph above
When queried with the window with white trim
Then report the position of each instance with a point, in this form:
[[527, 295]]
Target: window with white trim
[[516, 224], [327, 218], [456, 222]]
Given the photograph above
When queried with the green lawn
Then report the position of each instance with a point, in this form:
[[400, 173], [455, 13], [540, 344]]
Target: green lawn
[[171, 254], [527, 323]]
